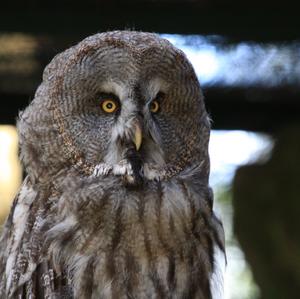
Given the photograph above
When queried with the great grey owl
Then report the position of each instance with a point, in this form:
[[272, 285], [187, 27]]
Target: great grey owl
[[116, 203]]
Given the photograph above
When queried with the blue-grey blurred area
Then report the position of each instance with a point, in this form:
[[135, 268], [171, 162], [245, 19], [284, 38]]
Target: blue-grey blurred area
[[247, 58], [244, 64]]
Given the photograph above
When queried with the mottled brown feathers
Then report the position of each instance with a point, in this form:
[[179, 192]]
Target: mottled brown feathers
[[97, 216]]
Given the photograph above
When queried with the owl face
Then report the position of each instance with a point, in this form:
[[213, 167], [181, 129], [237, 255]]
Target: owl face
[[128, 97]]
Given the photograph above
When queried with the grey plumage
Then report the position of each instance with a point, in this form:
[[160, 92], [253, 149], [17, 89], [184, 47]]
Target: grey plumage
[[97, 216]]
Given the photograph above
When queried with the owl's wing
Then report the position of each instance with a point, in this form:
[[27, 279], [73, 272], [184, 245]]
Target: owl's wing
[[25, 271]]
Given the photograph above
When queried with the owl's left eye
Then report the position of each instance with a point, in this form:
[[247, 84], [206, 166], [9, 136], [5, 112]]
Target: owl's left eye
[[154, 106], [109, 105]]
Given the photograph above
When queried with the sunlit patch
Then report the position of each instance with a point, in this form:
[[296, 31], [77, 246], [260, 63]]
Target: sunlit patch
[[230, 149], [10, 170], [206, 64], [17, 54], [242, 64]]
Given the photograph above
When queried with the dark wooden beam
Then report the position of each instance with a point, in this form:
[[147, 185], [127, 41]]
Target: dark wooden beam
[[261, 110], [238, 23], [253, 109]]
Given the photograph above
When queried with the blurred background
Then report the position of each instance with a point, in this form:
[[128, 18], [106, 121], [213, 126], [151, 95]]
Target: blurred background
[[247, 58]]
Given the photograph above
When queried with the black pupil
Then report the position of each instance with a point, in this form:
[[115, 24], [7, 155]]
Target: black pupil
[[109, 105]]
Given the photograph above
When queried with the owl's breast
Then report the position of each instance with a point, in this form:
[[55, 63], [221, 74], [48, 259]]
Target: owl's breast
[[154, 242]]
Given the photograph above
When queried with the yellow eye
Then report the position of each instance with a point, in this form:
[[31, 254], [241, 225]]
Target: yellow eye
[[109, 106], [154, 106]]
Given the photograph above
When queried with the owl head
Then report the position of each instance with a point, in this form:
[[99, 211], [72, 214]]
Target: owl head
[[118, 103]]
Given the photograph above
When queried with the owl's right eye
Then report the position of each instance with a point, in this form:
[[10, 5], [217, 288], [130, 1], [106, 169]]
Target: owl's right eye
[[109, 104]]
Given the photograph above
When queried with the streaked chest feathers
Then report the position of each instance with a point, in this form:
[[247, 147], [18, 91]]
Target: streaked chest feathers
[[155, 242]]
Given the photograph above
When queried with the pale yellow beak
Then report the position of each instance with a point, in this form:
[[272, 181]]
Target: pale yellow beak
[[138, 136]]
